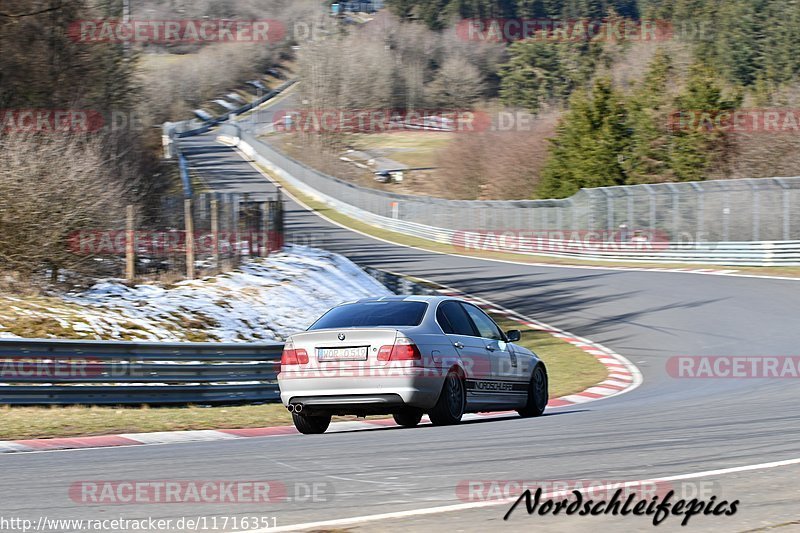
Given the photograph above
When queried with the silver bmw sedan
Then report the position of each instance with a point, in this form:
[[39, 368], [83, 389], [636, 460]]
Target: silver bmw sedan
[[408, 356]]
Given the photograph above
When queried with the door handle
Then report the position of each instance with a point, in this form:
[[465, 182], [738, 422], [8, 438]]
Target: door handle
[[458, 345], [490, 348]]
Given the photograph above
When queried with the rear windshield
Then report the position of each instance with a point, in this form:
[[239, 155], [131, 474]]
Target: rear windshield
[[373, 314]]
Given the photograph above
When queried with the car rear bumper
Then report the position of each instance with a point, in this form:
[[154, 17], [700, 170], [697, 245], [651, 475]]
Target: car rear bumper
[[378, 395]]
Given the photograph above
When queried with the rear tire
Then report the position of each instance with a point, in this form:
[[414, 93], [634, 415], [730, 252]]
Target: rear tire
[[311, 425], [449, 407], [408, 418], [537, 394]]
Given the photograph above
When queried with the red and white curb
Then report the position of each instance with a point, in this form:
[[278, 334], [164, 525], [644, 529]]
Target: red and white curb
[[623, 376]]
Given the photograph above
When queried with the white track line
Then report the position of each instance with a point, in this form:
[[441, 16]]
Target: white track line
[[493, 503]]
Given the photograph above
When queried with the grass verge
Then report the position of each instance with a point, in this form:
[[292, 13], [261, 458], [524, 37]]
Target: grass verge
[[415, 149], [569, 368]]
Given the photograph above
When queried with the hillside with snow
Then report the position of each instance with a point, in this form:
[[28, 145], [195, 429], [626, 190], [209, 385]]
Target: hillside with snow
[[263, 300]]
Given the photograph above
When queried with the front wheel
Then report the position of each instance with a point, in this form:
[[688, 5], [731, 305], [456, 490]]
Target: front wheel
[[408, 418], [537, 394], [311, 425], [450, 407]]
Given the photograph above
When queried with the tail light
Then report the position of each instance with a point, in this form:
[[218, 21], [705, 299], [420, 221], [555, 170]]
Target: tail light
[[292, 356], [403, 349]]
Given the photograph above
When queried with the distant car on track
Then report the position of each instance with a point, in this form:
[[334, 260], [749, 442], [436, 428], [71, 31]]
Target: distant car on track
[[408, 356]]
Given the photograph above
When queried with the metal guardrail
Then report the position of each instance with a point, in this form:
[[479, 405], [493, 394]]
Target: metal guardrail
[[37, 372], [190, 128], [416, 215]]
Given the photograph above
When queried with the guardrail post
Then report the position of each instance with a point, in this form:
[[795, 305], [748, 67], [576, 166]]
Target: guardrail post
[[168, 140], [187, 213], [130, 246]]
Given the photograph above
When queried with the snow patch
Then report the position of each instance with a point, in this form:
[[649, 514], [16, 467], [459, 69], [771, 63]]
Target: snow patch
[[264, 300]]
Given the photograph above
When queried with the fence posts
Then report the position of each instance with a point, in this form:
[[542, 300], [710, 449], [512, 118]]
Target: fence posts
[[130, 246], [265, 227], [278, 230], [236, 252], [207, 238], [756, 212], [786, 208], [215, 233], [187, 210]]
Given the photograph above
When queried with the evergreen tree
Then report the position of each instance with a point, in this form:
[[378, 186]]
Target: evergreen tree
[[648, 158], [590, 139], [697, 145], [402, 8], [540, 71], [532, 75]]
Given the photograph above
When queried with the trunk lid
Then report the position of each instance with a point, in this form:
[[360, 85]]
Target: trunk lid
[[346, 348]]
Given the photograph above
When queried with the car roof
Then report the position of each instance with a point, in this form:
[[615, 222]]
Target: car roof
[[404, 298]]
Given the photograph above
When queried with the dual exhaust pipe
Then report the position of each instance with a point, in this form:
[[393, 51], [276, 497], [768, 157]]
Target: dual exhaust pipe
[[295, 407]]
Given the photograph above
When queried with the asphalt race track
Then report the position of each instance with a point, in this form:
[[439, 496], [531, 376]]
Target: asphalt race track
[[667, 427]]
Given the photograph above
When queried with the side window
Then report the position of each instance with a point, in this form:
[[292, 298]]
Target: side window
[[453, 319], [486, 326]]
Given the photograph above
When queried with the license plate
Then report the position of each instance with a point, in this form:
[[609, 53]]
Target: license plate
[[358, 353]]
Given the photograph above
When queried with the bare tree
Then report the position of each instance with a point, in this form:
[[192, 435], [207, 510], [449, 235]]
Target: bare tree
[[52, 186], [498, 164], [458, 84], [398, 65]]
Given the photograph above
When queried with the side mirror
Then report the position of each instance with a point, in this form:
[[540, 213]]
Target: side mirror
[[513, 335]]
